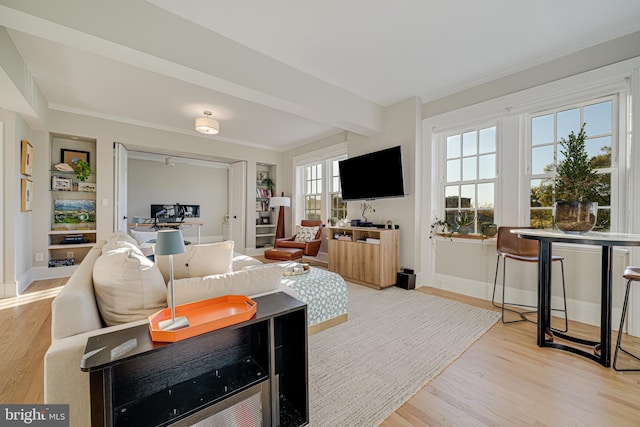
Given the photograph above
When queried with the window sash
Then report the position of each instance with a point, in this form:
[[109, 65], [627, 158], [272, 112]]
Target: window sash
[[541, 200]]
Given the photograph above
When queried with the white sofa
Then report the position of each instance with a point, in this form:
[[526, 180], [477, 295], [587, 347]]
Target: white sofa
[[75, 316]]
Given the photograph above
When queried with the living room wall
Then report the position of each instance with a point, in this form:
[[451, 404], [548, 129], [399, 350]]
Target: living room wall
[[402, 125], [106, 132], [154, 182], [468, 267]]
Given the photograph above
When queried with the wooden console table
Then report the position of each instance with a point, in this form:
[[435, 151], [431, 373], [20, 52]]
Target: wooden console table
[[257, 367], [368, 256]]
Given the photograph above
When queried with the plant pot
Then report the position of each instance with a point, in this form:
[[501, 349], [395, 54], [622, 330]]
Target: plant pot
[[576, 217], [489, 230], [464, 230]]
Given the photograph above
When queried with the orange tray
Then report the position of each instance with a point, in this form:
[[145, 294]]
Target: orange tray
[[203, 316]]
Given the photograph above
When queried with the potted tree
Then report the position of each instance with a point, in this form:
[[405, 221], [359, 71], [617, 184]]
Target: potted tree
[[575, 186]]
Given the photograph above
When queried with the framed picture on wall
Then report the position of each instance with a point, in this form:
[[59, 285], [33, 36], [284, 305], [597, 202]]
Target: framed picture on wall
[[71, 157], [27, 195], [26, 162]]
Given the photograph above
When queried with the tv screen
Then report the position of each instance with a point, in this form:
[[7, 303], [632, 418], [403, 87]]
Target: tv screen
[[372, 176]]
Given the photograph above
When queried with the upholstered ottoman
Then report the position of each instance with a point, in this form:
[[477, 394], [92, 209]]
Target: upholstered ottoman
[[283, 254], [325, 294]]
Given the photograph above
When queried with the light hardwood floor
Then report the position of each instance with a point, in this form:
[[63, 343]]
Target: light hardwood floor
[[503, 379]]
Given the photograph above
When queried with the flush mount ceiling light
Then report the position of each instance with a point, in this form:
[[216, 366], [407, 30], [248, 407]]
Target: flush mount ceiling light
[[207, 125]]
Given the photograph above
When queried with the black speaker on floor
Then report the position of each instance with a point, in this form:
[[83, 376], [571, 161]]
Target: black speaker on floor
[[406, 279]]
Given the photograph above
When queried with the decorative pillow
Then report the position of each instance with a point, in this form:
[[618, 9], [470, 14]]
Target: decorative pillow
[[128, 286], [112, 245], [199, 261], [306, 234], [143, 236], [250, 281]]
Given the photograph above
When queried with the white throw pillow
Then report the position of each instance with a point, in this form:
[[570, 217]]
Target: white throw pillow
[[143, 236], [128, 286], [306, 234], [112, 245], [199, 261], [250, 281]]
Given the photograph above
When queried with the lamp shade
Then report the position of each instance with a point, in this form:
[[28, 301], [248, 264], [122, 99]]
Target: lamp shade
[[169, 242], [274, 202], [207, 125]]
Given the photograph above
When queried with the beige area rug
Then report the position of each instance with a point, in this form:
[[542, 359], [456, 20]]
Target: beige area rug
[[394, 342]]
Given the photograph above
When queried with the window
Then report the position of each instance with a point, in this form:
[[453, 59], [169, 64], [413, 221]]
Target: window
[[470, 175], [547, 131], [313, 192], [338, 208], [318, 186]]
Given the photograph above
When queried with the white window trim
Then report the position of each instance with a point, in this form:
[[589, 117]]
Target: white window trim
[[440, 139], [618, 170], [310, 158]]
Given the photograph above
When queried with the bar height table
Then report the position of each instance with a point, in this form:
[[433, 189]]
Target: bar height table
[[606, 241]]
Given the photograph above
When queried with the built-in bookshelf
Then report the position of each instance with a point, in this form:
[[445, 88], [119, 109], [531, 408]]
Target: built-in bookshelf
[[73, 201]]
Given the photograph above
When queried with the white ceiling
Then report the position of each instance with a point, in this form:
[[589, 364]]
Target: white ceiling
[[282, 73]]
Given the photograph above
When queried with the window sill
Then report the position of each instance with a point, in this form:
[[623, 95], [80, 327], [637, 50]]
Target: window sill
[[469, 236]]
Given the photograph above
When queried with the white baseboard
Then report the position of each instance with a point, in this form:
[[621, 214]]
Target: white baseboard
[[8, 290]]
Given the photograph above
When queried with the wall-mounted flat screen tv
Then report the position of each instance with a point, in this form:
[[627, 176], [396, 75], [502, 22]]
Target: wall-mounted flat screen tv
[[372, 176]]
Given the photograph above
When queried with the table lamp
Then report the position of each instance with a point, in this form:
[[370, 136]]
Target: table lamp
[[170, 242], [274, 202]]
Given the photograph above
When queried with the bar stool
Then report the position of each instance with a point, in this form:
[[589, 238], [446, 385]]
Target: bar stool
[[510, 246], [632, 274]]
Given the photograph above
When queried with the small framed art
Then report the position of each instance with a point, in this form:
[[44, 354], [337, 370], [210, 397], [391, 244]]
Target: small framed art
[[60, 184], [27, 194], [71, 157], [87, 186], [26, 162]]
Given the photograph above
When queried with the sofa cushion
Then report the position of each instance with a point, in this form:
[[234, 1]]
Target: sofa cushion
[[241, 261], [199, 260], [111, 245], [121, 236], [249, 281], [128, 286], [143, 236], [306, 234]]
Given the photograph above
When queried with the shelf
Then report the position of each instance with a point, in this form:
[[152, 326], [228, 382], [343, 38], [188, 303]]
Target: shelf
[[67, 191], [202, 390], [58, 232], [72, 246], [265, 235], [67, 172]]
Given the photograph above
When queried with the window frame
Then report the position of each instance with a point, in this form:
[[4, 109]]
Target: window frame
[[441, 138], [324, 157], [616, 212]]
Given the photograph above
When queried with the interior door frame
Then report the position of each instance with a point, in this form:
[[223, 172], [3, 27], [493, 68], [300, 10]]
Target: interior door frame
[[120, 161]]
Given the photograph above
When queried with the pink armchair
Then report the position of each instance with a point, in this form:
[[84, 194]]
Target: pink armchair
[[310, 247]]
